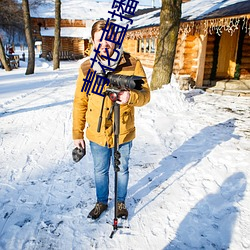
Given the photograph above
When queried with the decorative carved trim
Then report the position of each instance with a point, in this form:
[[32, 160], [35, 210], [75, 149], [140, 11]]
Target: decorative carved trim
[[229, 24], [151, 32]]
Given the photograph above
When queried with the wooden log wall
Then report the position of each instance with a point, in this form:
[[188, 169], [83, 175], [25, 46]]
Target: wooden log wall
[[146, 58], [190, 56], [66, 44], [186, 56], [79, 46], [179, 60], [130, 46], [245, 60], [185, 59], [73, 45], [47, 45]]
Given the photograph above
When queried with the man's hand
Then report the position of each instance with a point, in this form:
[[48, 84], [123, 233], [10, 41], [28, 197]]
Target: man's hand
[[79, 143], [123, 97]]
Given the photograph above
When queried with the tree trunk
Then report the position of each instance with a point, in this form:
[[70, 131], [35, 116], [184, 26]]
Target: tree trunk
[[3, 57], [56, 59], [28, 33], [169, 27]]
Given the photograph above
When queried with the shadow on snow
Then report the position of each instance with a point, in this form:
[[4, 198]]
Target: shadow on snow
[[210, 223], [23, 110], [190, 153]]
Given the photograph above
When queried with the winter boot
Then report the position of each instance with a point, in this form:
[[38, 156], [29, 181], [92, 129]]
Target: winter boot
[[97, 210], [122, 211]]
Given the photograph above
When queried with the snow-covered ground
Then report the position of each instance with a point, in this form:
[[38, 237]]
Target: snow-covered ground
[[189, 170]]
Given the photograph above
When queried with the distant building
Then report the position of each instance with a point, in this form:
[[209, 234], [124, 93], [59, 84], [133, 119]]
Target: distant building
[[77, 19], [75, 36]]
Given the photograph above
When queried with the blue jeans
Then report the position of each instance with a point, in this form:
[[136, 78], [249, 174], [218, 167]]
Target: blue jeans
[[102, 158]]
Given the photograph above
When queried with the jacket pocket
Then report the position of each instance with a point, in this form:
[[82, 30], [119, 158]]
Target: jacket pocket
[[126, 119]]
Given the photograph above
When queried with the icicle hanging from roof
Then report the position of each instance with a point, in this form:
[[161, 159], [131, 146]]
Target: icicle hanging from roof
[[218, 25], [149, 32], [246, 25], [229, 24]]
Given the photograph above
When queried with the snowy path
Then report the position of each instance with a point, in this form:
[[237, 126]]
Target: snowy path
[[189, 171]]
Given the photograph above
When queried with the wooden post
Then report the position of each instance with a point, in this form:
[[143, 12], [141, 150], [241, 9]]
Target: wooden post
[[140, 42], [201, 60], [144, 45], [149, 45]]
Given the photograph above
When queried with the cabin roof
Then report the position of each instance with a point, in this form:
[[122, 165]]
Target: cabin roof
[[76, 9], [193, 10], [208, 9], [76, 32], [73, 9]]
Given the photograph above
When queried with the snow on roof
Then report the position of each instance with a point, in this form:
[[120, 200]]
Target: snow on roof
[[79, 32], [194, 10], [145, 20], [197, 9], [74, 9], [77, 9]]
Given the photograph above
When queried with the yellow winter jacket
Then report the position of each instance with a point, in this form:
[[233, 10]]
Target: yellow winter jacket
[[87, 108]]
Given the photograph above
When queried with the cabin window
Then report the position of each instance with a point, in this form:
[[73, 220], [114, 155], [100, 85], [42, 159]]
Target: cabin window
[[152, 45], [146, 45]]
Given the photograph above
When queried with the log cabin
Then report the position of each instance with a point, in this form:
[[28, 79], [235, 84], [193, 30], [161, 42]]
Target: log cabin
[[213, 41], [74, 37], [76, 21]]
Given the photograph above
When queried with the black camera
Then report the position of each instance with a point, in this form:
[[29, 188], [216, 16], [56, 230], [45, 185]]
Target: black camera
[[125, 82], [78, 153], [118, 83]]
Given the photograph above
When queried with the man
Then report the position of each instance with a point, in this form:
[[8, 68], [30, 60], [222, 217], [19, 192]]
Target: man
[[87, 107]]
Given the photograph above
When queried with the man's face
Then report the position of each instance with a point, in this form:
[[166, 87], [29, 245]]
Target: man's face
[[104, 44]]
